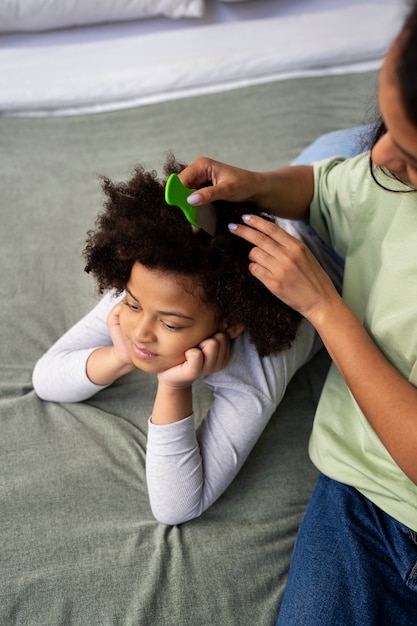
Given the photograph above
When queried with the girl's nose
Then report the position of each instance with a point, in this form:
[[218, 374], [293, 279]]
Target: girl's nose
[[385, 154], [144, 330]]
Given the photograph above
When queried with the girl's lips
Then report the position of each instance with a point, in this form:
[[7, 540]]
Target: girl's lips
[[142, 354]]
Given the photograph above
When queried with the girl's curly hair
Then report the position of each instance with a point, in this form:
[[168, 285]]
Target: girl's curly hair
[[137, 225]]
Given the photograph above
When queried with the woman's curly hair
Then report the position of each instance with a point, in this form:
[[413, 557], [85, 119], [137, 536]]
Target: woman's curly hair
[[137, 225]]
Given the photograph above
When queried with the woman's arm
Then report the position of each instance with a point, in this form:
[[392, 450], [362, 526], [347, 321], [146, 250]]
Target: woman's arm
[[286, 192], [386, 398]]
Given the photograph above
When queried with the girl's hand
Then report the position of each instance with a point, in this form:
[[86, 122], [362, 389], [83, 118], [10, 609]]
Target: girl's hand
[[107, 364], [173, 401], [287, 267], [120, 348], [210, 356]]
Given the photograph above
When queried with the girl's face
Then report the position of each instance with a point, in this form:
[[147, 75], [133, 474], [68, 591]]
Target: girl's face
[[397, 149], [162, 317]]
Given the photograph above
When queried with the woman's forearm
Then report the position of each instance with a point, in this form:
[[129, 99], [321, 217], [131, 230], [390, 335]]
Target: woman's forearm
[[286, 192], [386, 398]]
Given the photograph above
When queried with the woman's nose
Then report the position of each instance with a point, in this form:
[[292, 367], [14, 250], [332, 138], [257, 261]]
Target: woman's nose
[[385, 154]]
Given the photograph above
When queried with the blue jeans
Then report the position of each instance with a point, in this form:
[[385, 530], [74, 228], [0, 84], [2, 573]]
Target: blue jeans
[[353, 565], [347, 143]]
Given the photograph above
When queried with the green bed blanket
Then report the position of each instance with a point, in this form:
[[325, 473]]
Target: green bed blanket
[[78, 543]]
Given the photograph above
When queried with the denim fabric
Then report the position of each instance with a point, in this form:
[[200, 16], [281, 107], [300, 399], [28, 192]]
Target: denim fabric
[[346, 143], [353, 565]]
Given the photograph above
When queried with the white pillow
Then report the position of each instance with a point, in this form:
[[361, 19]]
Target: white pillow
[[31, 15]]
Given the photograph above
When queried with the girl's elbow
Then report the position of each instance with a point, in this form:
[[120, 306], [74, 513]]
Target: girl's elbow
[[172, 517], [38, 382]]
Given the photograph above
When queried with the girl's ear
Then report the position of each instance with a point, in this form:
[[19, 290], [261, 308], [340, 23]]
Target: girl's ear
[[233, 330]]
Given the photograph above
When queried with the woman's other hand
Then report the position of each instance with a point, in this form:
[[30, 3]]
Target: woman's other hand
[[287, 267]]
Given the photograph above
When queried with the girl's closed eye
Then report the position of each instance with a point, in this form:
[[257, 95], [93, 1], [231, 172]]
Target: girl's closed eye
[[136, 308], [172, 327], [133, 307]]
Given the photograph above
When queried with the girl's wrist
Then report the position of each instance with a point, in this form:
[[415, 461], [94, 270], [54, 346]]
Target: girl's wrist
[[104, 366], [120, 363], [172, 403]]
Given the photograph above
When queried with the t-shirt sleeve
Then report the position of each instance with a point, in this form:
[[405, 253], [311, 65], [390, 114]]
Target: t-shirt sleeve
[[333, 204]]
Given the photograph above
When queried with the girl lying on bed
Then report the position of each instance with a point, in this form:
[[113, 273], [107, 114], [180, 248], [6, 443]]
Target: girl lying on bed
[[181, 305]]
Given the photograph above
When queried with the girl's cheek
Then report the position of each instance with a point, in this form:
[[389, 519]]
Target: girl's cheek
[[124, 319]]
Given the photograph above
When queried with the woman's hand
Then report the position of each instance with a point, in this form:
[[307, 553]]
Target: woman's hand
[[226, 182], [286, 192], [287, 267]]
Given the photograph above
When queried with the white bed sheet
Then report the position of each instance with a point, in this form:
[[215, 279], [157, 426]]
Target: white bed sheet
[[107, 67]]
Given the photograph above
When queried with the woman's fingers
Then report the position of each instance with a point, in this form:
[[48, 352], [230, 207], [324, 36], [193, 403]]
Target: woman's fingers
[[285, 265], [270, 245], [226, 182], [261, 232]]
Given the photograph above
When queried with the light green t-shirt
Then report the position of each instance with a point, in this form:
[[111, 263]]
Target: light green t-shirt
[[376, 232]]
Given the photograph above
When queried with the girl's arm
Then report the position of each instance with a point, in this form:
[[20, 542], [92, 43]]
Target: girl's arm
[[173, 400], [187, 470], [60, 375], [385, 397], [107, 364]]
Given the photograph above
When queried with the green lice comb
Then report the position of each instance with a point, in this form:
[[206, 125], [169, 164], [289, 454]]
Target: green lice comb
[[201, 216]]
